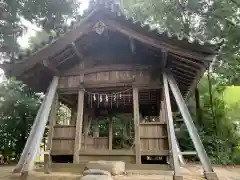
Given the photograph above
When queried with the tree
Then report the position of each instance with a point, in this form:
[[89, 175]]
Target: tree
[[217, 127], [46, 14], [18, 108]]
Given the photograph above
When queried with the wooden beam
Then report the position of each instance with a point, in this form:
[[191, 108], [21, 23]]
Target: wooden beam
[[42, 118], [66, 59], [31, 138], [198, 77], [180, 73], [189, 124], [110, 133], [191, 72], [170, 127], [50, 66], [183, 64], [73, 116], [110, 67], [164, 58], [136, 125], [67, 100], [79, 122], [198, 64], [153, 42], [77, 52], [52, 122]]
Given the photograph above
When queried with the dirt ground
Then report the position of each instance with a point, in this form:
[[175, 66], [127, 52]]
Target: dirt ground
[[190, 172]]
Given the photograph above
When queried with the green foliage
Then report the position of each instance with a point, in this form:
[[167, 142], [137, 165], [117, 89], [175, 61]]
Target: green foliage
[[218, 129], [45, 14], [18, 108]]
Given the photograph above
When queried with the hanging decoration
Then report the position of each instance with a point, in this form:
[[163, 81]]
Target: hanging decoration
[[106, 99]]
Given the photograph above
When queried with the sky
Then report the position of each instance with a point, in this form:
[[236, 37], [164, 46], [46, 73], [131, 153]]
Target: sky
[[32, 29]]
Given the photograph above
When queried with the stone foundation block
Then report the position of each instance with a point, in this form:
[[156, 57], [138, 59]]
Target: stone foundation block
[[211, 176], [114, 167]]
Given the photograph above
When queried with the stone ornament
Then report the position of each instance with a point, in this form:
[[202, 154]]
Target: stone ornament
[[99, 27]]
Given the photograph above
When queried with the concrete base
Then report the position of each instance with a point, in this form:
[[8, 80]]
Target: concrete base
[[177, 177], [211, 176]]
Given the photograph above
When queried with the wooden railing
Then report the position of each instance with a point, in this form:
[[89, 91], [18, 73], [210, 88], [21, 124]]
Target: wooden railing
[[153, 136], [63, 140]]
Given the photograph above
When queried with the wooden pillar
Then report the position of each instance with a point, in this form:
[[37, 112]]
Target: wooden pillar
[[189, 124], [136, 125], [52, 123], [79, 122], [170, 126], [73, 116], [96, 128], [42, 118], [86, 119], [110, 134]]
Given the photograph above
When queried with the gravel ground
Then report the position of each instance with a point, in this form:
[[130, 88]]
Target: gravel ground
[[191, 172]]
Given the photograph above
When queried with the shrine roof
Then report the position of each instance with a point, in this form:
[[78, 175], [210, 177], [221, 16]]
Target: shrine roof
[[45, 58]]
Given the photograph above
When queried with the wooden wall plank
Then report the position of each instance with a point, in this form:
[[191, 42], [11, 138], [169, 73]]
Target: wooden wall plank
[[64, 132], [142, 77]]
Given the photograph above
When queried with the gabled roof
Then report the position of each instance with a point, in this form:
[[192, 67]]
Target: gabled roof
[[182, 48]]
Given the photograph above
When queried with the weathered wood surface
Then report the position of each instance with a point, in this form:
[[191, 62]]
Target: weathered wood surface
[[64, 136], [170, 126], [136, 125], [110, 134], [102, 77], [62, 145], [64, 132], [153, 130], [101, 143], [37, 134], [52, 122], [89, 67], [79, 122], [153, 137]]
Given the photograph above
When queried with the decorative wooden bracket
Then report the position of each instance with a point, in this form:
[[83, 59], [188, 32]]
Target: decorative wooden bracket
[[50, 66], [99, 27]]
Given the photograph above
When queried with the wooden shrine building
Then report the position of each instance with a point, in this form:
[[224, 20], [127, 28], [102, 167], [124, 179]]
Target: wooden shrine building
[[107, 64]]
